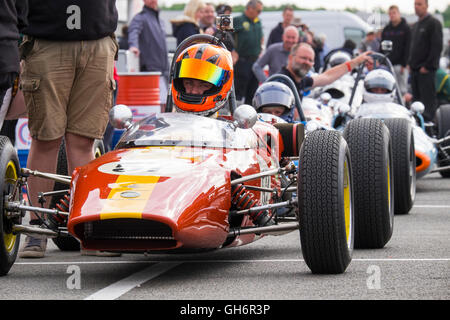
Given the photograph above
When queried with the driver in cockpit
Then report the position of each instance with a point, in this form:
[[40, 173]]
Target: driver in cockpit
[[202, 80]]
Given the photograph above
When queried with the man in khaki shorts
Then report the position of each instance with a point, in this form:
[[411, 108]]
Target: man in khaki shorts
[[67, 81]]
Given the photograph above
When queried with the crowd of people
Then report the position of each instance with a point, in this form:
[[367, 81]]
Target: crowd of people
[[68, 82], [415, 54]]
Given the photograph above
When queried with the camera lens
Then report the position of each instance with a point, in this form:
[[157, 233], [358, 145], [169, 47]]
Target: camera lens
[[226, 22]]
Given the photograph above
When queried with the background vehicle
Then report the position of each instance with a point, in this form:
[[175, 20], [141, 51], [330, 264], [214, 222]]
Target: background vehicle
[[416, 153]]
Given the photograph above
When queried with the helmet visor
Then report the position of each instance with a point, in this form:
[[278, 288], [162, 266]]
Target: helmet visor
[[201, 70]]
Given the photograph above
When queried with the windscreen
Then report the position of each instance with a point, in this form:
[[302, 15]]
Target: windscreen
[[181, 129]]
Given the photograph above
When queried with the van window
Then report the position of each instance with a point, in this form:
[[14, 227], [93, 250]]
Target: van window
[[356, 35]]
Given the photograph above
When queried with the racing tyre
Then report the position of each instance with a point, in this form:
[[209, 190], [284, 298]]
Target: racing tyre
[[404, 164], [9, 172], [442, 120], [325, 202], [373, 186], [68, 243]]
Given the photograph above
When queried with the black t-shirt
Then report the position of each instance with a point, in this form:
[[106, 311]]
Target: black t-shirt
[[426, 44], [13, 16], [303, 85], [68, 20]]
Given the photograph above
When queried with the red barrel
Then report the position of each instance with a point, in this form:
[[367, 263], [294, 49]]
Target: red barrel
[[140, 91]]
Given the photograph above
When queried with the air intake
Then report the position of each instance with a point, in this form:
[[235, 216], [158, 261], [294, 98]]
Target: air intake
[[133, 229]]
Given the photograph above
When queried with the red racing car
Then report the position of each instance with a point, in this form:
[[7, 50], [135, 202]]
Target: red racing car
[[179, 181]]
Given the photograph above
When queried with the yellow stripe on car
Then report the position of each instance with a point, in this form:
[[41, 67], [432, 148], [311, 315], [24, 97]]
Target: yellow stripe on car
[[120, 204]]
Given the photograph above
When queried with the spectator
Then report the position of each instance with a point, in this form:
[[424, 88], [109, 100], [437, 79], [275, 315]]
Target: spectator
[[224, 9], [276, 54], [371, 43], [300, 62], [399, 33], [123, 39], [325, 49], [248, 39], [443, 82], [317, 45], [186, 25], [208, 26], [446, 52], [13, 14], [68, 87], [276, 35], [426, 47], [207, 20], [147, 39]]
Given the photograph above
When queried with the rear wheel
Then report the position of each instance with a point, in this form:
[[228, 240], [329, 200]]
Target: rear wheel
[[325, 202], [292, 135], [9, 172], [404, 164], [443, 124], [67, 242], [372, 163]]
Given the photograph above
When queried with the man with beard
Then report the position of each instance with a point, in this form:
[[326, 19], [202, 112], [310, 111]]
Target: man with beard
[[301, 60]]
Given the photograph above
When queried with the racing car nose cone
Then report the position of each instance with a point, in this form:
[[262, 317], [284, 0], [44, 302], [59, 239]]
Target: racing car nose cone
[[130, 194]]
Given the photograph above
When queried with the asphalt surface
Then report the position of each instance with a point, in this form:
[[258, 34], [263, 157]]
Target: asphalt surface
[[415, 264]]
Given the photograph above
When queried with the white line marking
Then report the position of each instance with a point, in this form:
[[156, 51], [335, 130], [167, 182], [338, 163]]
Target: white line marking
[[121, 287], [431, 206], [220, 261]]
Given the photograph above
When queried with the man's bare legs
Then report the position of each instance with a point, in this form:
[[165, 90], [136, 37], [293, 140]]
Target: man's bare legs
[[43, 157], [79, 150]]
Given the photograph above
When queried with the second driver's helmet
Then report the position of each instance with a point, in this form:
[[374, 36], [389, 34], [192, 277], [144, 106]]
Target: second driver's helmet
[[338, 58], [205, 62], [379, 86], [275, 94]]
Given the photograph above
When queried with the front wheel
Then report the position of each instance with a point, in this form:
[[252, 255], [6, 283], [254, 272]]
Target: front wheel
[[325, 202], [9, 172]]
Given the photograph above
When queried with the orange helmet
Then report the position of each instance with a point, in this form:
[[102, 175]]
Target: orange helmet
[[206, 62]]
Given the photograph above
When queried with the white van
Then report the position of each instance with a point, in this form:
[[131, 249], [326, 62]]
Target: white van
[[338, 26]]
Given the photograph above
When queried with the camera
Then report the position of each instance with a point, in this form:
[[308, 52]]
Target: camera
[[224, 22]]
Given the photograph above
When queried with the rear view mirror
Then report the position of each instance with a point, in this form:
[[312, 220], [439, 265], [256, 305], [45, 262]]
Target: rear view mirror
[[121, 117], [245, 116]]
